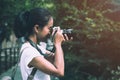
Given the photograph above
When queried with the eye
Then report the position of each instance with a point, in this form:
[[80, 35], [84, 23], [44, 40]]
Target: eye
[[50, 28]]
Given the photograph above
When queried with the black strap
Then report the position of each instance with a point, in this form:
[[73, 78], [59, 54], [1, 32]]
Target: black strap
[[35, 46], [31, 76]]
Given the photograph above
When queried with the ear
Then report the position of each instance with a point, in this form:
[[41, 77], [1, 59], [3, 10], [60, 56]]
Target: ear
[[36, 28]]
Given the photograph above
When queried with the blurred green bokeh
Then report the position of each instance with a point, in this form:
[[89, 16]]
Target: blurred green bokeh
[[95, 50]]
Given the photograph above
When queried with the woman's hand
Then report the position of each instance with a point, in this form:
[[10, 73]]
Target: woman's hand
[[58, 37]]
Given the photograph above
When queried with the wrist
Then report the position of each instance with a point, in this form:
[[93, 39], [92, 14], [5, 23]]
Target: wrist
[[58, 45]]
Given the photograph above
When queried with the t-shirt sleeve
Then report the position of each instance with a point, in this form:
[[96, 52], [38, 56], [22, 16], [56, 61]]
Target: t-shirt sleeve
[[30, 53]]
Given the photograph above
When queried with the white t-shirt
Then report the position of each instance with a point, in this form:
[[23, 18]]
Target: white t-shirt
[[28, 53]]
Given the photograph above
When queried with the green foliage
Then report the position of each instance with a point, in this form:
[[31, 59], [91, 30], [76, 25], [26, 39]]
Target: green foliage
[[10, 8], [116, 73], [95, 48], [94, 52]]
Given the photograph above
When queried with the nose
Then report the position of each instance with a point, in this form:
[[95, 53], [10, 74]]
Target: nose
[[50, 31]]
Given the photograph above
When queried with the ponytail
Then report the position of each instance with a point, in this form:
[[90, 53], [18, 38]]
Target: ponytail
[[20, 24], [25, 21]]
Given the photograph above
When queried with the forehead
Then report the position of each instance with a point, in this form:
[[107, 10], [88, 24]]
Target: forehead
[[50, 22]]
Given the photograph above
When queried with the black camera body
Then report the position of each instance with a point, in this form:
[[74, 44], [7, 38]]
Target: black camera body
[[50, 45], [64, 31], [68, 32]]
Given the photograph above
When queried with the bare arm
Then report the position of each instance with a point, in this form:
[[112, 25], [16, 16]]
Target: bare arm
[[57, 68], [50, 56]]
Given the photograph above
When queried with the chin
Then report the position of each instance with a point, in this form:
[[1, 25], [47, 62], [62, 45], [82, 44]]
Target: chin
[[43, 39]]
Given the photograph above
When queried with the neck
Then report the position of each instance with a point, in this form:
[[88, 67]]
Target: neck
[[33, 38]]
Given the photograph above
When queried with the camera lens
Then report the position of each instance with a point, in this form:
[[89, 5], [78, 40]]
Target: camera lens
[[67, 31]]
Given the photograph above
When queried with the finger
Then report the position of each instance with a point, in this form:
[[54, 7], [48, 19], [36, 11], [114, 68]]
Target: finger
[[71, 38], [63, 37], [55, 29], [66, 37], [53, 32], [59, 30]]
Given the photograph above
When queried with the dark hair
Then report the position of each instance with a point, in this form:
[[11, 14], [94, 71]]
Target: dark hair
[[25, 21]]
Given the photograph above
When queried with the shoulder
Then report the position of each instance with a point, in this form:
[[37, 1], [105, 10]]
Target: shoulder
[[28, 50], [42, 48]]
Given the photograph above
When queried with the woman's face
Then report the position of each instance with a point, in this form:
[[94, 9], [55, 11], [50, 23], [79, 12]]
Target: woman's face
[[46, 29]]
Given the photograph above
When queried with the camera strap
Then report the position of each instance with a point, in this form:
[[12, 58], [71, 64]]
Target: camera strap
[[31, 76]]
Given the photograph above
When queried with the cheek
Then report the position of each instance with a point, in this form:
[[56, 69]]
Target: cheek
[[45, 31]]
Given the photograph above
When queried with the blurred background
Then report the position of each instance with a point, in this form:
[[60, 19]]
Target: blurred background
[[93, 54]]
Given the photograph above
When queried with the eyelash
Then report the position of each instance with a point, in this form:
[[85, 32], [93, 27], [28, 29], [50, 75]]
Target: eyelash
[[50, 28]]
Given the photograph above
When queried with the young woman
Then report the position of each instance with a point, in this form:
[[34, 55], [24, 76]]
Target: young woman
[[37, 25]]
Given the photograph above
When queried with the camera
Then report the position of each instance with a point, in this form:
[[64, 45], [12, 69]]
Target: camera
[[50, 45], [64, 31], [68, 32]]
